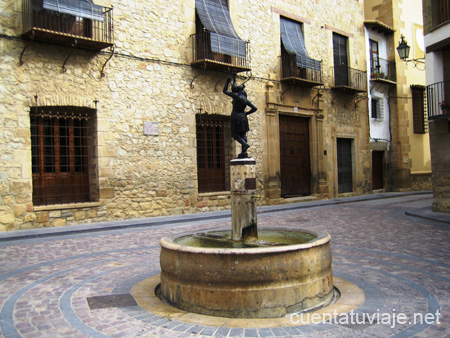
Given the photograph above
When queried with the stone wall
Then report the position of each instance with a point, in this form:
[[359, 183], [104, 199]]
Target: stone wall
[[149, 79], [440, 161]]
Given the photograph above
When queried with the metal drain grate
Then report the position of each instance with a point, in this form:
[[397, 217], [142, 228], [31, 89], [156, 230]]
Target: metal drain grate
[[103, 302]]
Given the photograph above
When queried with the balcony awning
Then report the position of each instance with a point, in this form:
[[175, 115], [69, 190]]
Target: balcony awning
[[81, 8], [294, 43], [215, 17]]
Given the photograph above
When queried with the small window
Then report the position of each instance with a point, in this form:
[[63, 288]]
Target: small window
[[419, 110], [63, 143], [377, 109]]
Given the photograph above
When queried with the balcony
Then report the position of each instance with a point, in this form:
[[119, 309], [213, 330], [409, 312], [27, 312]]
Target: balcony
[[203, 57], [41, 24], [383, 71], [300, 76], [349, 80], [438, 100]]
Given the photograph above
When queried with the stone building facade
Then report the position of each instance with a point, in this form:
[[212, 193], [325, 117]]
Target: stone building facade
[[399, 133], [436, 17], [136, 108]]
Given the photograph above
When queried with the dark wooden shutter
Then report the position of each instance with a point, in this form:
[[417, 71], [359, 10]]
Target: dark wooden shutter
[[340, 60]]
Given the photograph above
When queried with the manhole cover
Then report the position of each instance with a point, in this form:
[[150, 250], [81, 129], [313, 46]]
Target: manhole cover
[[103, 302]]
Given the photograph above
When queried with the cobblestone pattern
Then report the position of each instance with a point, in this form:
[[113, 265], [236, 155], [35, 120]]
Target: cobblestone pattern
[[400, 262]]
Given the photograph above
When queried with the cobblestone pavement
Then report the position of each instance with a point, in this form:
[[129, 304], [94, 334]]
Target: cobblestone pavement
[[400, 260]]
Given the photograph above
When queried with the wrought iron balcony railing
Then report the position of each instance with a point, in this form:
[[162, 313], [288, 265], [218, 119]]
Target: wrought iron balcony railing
[[302, 76], [438, 100], [383, 70], [349, 80], [204, 57], [51, 26]]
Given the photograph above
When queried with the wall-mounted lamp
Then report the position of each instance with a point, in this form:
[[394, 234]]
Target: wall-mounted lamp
[[403, 51]]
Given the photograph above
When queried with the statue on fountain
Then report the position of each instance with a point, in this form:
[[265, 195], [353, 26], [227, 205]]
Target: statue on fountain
[[239, 120]]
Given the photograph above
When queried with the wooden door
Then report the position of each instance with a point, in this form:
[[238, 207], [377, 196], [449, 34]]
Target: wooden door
[[345, 167], [295, 168], [377, 170]]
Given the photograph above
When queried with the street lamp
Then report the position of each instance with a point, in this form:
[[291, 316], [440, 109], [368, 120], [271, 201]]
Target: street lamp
[[403, 51]]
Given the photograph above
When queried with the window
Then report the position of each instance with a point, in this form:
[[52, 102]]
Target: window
[[340, 59], [212, 131], [419, 109], [377, 108], [216, 45], [296, 62], [63, 145], [60, 21], [374, 59]]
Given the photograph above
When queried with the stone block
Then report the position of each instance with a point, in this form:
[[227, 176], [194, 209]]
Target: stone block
[[6, 215], [107, 193], [42, 217], [19, 210], [59, 222], [20, 187]]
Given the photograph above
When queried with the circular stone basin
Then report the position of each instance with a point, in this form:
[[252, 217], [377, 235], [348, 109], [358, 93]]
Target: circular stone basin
[[285, 271]]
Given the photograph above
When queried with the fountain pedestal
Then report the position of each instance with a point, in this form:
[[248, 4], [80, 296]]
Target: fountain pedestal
[[243, 202]]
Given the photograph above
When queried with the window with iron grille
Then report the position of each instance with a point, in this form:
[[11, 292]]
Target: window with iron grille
[[419, 109], [377, 108], [212, 131], [63, 146]]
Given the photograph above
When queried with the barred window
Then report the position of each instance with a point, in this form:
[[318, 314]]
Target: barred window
[[377, 108], [419, 109], [63, 142], [212, 131]]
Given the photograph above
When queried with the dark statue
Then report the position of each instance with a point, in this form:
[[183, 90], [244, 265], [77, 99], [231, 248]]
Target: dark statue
[[239, 120]]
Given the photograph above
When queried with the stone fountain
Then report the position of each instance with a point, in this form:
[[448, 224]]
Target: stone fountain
[[246, 272]]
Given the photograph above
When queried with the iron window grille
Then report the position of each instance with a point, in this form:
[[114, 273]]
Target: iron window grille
[[63, 146], [212, 152], [377, 108], [419, 110]]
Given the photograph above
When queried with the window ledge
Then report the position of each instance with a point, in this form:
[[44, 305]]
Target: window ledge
[[66, 206], [420, 173], [218, 194]]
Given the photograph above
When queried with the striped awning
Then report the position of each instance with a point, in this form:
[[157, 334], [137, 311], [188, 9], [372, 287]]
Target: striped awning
[[294, 43], [81, 8], [215, 17]]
